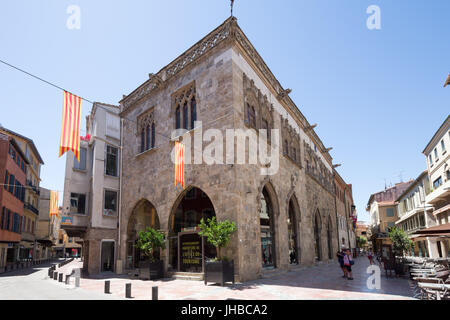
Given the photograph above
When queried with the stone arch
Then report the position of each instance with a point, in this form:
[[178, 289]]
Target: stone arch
[[293, 220], [317, 232], [268, 210], [329, 229], [191, 205], [142, 215]]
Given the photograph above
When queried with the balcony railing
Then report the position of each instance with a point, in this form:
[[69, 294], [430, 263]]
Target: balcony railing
[[33, 187], [31, 208]]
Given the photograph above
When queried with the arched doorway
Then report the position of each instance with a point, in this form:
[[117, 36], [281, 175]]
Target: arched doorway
[[267, 225], [187, 250], [329, 241], [144, 215], [293, 235], [317, 229]]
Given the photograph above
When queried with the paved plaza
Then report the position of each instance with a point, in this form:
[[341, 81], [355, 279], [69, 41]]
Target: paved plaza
[[319, 282]]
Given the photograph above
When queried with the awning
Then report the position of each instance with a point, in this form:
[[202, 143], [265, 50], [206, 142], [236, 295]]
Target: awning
[[443, 209], [437, 235], [439, 230]]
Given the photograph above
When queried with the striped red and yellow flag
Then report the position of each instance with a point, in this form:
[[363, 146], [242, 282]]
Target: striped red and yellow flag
[[53, 203], [179, 163], [70, 130]]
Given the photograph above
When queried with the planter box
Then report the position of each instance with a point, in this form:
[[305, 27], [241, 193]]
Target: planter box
[[219, 272], [151, 270]]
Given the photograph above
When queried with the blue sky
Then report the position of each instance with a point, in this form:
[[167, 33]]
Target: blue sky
[[376, 95]]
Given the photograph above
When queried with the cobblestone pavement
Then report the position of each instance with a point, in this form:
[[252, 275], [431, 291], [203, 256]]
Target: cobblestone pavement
[[320, 282]]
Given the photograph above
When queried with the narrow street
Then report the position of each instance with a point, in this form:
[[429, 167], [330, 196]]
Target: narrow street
[[34, 284], [321, 282]]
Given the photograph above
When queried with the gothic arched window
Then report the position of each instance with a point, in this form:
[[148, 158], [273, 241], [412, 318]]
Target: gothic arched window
[[153, 135], [193, 112], [185, 116], [142, 140], [178, 118], [147, 137]]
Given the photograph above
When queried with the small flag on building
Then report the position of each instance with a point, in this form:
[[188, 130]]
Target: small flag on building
[[86, 138], [70, 130], [53, 203], [179, 163]]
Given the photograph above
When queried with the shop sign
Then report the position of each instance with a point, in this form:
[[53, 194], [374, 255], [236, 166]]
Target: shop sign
[[191, 251], [67, 220]]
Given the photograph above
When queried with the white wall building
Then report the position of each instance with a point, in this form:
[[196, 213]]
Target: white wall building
[[91, 190]]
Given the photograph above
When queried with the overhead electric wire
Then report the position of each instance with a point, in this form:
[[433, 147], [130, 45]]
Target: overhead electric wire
[[99, 106]]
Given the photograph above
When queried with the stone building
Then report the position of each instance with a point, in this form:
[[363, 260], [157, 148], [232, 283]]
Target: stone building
[[91, 190], [283, 220]]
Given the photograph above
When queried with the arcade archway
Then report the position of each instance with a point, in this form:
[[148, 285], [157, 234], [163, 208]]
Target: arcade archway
[[317, 230], [267, 230], [293, 233], [144, 215], [188, 250]]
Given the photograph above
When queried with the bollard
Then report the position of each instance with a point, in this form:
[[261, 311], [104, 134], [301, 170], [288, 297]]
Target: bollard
[[154, 293], [55, 275], [60, 279], [77, 277], [107, 286], [128, 290]]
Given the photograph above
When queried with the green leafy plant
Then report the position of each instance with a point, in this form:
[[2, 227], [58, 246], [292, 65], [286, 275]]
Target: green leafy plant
[[217, 233], [361, 241], [149, 241], [400, 241]]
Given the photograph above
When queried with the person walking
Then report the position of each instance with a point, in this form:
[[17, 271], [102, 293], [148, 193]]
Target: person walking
[[348, 262], [370, 256], [340, 255]]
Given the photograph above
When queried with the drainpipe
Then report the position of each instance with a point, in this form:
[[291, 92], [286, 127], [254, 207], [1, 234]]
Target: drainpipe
[[120, 197]]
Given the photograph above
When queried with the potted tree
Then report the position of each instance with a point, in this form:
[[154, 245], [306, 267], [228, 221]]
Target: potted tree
[[150, 241], [400, 243], [220, 269]]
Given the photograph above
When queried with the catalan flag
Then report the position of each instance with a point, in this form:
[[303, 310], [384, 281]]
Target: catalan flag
[[179, 163], [70, 131], [53, 203]]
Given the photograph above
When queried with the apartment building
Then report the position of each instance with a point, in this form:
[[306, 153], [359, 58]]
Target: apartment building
[[91, 190], [28, 244], [382, 208], [415, 214], [437, 153]]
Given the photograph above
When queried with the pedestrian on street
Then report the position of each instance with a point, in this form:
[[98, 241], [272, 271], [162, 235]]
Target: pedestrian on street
[[340, 255], [370, 256], [348, 262]]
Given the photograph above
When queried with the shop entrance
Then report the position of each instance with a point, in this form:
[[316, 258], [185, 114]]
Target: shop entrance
[[107, 260], [187, 249]]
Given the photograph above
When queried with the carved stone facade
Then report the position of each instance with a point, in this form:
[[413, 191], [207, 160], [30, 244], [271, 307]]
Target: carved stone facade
[[317, 169], [228, 78], [291, 142], [258, 109]]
